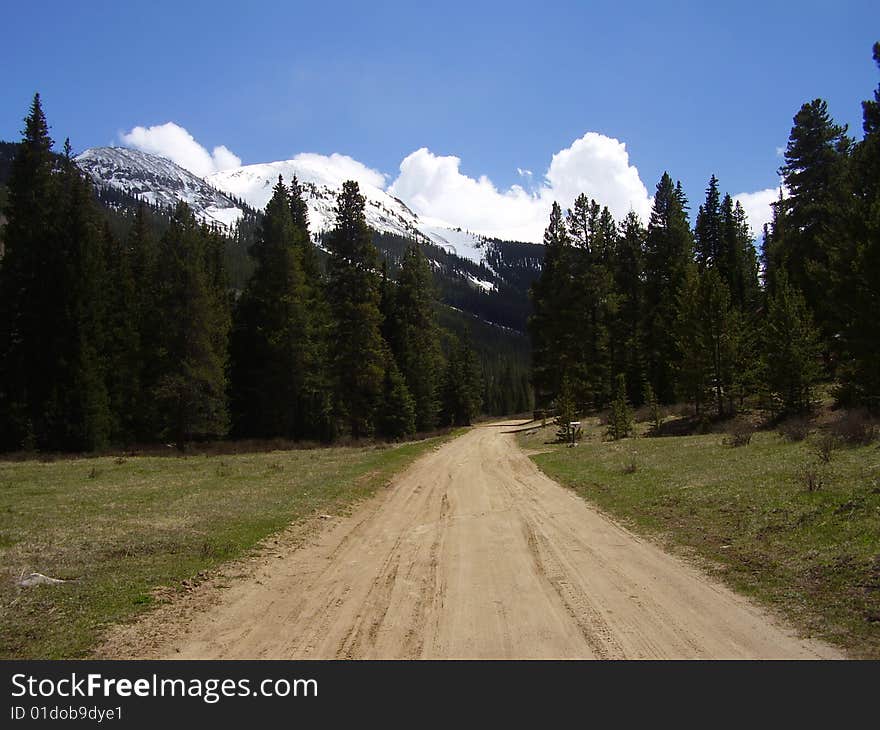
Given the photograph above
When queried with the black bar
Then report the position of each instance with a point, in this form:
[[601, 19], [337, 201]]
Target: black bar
[[602, 694]]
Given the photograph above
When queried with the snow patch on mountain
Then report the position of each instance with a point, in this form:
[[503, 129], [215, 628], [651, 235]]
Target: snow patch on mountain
[[463, 244], [321, 179], [157, 180], [486, 286]]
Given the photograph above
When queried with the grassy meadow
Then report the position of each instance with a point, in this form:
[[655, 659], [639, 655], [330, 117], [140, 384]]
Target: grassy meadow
[[795, 524], [117, 528]]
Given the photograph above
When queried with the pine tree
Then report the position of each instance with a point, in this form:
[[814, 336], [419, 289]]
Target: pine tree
[[592, 233], [620, 420], [721, 335], [553, 324], [123, 353], [710, 337], [397, 416], [626, 334], [668, 256], [299, 211], [462, 386], [566, 412], [598, 293], [24, 369], [53, 393], [857, 268], [143, 248], [816, 176], [738, 260], [693, 362], [275, 345], [654, 411], [357, 348], [790, 345], [191, 379], [413, 335], [707, 229], [318, 385], [773, 252], [80, 402]]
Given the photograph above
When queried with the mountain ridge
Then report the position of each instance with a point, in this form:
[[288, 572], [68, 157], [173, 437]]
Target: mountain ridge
[[217, 197], [480, 275]]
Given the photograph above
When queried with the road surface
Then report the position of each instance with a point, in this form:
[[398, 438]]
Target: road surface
[[474, 553]]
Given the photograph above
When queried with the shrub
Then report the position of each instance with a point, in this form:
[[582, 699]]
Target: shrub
[[740, 434], [654, 410], [794, 429], [855, 428], [825, 446], [813, 477]]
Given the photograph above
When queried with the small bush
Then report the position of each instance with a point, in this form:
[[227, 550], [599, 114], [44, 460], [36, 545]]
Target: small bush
[[654, 411], [795, 429], [566, 413], [739, 435], [825, 446], [620, 420], [813, 477], [855, 428]]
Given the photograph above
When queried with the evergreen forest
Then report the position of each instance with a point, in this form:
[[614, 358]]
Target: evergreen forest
[[668, 310], [122, 323]]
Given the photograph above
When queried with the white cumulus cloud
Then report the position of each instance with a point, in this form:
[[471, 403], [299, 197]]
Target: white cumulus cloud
[[178, 145], [757, 207], [433, 185], [599, 167], [335, 169]]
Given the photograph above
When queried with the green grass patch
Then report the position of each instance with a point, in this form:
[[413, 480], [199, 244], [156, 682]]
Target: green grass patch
[[748, 516], [118, 528]]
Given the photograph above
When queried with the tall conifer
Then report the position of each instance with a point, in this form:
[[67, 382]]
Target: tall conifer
[[668, 255], [414, 337], [191, 379], [357, 347]]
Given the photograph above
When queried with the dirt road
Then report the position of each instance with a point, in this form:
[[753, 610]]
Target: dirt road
[[473, 553]]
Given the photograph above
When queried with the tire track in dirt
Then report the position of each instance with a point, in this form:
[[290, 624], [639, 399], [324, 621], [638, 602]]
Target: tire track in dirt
[[471, 553]]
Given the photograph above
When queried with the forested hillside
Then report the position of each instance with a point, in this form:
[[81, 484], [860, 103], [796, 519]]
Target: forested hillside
[[124, 322]]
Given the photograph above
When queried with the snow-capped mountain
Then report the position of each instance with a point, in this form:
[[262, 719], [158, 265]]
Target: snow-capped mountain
[[254, 184], [157, 180], [482, 278], [321, 183]]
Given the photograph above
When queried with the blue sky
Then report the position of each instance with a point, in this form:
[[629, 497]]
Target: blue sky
[[693, 88]]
